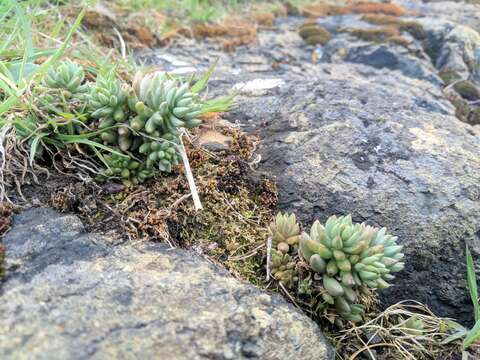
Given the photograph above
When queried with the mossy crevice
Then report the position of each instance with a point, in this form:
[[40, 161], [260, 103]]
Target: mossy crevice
[[231, 229]]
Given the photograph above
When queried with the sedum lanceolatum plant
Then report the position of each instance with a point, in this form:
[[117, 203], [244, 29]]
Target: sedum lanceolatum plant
[[344, 259], [285, 235], [132, 129]]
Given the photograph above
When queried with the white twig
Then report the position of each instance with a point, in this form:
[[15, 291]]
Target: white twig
[[3, 160], [189, 175], [269, 253], [123, 48]]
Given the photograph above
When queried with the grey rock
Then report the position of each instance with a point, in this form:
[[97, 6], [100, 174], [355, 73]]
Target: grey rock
[[69, 296], [368, 131], [393, 58], [453, 47], [412, 62], [459, 12], [387, 149]]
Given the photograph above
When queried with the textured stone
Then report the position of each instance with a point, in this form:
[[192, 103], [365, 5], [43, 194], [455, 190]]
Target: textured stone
[[389, 150], [69, 296], [366, 128]]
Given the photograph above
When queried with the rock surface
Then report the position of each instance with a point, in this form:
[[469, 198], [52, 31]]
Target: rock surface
[[69, 296], [388, 150], [366, 128]]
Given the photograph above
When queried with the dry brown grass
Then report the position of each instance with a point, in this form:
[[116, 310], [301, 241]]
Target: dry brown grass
[[229, 34], [264, 18], [321, 10], [386, 336]]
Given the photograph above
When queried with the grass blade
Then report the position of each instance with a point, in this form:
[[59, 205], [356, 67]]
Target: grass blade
[[472, 283], [34, 146], [221, 104], [96, 145], [455, 336], [202, 82]]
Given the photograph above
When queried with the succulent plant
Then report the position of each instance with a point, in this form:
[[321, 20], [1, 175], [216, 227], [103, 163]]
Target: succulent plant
[[283, 268], [162, 154], [67, 76], [107, 98], [165, 105], [140, 121], [350, 258], [285, 232], [129, 170], [118, 134]]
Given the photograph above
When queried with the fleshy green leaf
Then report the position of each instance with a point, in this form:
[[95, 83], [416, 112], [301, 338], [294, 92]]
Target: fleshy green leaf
[[472, 336]]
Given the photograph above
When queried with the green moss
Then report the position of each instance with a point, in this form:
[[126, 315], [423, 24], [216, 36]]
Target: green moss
[[314, 34], [378, 35], [465, 112], [448, 76], [467, 90], [410, 26]]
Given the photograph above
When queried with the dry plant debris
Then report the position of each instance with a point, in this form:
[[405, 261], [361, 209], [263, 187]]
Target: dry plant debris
[[390, 335], [238, 205]]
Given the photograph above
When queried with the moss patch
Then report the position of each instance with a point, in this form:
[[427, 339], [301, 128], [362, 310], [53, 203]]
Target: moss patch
[[230, 34], [231, 229], [467, 90], [412, 27], [314, 34], [465, 112], [321, 9], [373, 35], [449, 76]]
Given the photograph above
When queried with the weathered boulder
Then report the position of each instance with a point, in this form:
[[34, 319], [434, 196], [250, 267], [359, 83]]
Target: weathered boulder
[[68, 295], [387, 149], [365, 128]]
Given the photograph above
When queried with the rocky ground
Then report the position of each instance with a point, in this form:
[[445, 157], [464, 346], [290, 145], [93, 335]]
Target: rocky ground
[[71, 296], [370, 128], [383, 125]]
